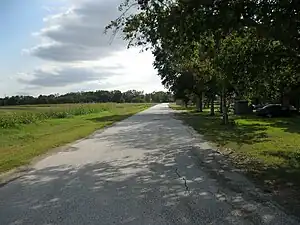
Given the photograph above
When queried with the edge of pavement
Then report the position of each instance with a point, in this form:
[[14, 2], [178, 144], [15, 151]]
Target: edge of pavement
[[16, 173], [217, 165]]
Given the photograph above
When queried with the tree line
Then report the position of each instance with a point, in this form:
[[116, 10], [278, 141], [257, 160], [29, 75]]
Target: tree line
[[225, 49], [99, 96]]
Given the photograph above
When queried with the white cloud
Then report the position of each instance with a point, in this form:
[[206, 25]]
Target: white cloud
[[64, 76], [124, 70], [77, 55], [69, 52], [78, 33]]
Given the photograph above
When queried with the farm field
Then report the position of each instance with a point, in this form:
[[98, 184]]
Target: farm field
[[29, 131]]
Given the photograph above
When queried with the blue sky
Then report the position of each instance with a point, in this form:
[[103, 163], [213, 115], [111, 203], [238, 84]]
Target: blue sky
[[50, 46], [18, 19]]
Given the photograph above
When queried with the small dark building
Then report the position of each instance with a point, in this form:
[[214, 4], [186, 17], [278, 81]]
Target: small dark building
[[241, 107]]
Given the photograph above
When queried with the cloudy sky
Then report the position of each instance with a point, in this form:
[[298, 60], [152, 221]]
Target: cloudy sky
[[58, 46]]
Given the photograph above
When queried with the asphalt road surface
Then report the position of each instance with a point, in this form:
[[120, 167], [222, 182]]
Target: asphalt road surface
[[140, 171]]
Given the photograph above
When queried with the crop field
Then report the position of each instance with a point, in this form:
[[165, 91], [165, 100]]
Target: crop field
[[17, 115], [29, 131]]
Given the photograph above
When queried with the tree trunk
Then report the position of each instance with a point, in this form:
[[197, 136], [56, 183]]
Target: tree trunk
[[221, 103], [199, 103], [212, 106], [225, 109], [185, 104]]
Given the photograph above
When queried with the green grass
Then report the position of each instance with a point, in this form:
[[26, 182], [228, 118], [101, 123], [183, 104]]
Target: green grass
[[17, 115], [268, 149], [23, 141]]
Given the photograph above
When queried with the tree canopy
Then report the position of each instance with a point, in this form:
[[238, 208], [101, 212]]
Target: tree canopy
[[246, 49], [131, 96]]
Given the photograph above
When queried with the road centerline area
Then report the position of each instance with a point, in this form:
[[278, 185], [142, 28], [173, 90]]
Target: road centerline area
[[139, 171]]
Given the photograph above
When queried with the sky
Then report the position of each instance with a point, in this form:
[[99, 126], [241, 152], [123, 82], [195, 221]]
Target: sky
[[58, 46]]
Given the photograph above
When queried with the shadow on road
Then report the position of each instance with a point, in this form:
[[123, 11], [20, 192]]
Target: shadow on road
[[162, 186]]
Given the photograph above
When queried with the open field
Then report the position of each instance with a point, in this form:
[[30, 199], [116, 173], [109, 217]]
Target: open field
[[29, 131], [267, 149], [16, 115]]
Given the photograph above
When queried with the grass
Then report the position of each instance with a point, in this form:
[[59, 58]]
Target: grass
[[16, 115], [20, 142], [267, 149]]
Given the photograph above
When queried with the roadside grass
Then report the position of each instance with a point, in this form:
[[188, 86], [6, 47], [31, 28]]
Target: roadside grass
[[267, 149], [13, 116], [21, 143]]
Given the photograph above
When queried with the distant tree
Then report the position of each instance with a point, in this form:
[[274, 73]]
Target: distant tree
[[117, 96], [88, 97], [148, 98]]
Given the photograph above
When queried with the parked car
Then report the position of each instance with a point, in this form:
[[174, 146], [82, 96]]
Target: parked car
[[258, 106], [275, 110]]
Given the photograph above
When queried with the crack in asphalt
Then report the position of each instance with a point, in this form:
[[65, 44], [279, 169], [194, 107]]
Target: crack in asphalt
[[181, 177], [249, 215]]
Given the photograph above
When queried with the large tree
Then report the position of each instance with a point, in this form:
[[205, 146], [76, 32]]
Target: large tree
[[228, 46]]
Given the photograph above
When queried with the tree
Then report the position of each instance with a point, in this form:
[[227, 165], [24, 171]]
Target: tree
[[231, 48], [117, 96], [88, 97]]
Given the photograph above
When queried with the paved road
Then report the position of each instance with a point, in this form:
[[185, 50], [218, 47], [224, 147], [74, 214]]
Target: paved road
[[140, 171]]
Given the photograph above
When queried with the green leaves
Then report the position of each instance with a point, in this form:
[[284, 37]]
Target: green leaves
[[246, 48]]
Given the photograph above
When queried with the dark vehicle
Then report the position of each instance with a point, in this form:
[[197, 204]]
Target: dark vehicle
[[258, 106], [275, 110]]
